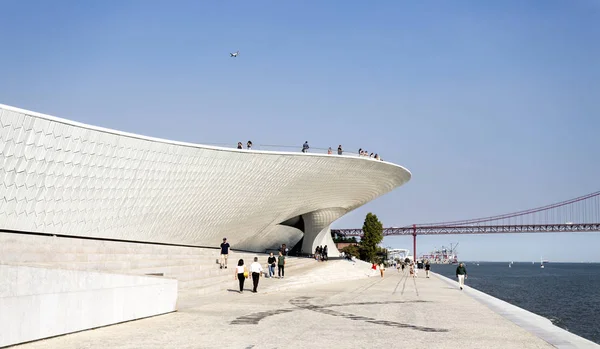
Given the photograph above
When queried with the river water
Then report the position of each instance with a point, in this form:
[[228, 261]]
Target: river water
[[568, 294]]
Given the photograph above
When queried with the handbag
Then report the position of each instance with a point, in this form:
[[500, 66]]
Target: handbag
[[246, 273]]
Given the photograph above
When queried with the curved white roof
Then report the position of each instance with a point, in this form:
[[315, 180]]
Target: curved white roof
[[64, 177]]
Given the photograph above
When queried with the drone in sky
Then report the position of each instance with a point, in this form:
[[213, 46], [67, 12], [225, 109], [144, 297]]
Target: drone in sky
[[235, 54]]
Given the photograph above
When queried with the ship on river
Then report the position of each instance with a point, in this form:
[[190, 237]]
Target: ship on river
[[442, 255]]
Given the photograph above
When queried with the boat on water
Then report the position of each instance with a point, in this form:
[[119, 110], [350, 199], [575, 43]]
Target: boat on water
[[542, 261], [443, 255]]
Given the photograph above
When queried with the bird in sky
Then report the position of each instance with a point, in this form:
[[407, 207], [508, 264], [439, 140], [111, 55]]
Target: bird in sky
[[235, 54]]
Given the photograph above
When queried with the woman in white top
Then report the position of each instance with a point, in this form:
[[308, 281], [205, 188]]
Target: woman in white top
[[241, 273]]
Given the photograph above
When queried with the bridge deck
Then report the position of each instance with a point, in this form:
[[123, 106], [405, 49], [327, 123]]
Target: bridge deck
[[479, 229]]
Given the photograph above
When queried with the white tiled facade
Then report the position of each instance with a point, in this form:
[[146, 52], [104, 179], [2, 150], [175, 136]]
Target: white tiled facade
[[63, 177]]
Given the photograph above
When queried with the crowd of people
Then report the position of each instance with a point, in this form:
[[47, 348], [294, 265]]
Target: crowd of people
[[255, 271], [365, 153], [321, 253], [413, 268], [306, 147]]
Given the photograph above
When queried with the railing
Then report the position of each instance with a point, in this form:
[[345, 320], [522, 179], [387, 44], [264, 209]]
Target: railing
[[290, 148]]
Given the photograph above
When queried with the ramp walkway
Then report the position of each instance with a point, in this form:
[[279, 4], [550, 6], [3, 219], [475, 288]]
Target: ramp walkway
[[194, 268]]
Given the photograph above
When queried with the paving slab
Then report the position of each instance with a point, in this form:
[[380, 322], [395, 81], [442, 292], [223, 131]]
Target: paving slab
[[396, 311]]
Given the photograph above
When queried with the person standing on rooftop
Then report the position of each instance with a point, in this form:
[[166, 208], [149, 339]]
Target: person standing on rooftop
[[329, 151], [239, 145], [249, 145], [340, 151], [461, 274], [305, 147]]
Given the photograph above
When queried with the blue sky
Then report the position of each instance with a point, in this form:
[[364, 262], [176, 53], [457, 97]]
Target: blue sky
[[493, 106]]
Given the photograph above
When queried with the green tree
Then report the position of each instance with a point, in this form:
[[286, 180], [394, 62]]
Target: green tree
[[351, 250], [372, 236]]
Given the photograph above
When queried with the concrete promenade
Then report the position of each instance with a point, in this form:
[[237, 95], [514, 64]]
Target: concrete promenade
[[369, 312]]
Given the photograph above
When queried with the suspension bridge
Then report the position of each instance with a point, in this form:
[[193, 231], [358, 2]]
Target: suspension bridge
[[580, 214]]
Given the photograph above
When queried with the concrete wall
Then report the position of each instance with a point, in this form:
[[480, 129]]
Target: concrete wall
[[37, 302], [62, 177]]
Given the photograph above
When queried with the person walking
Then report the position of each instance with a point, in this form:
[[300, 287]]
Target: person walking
[[382, 269], [241, 273], [416, 265], [281, 265], [224, 253], [461, 274], [373, 269], [427, 268], [271, 261], [256, 269]]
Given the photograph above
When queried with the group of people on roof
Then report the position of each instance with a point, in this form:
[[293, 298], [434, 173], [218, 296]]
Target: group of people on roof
[[248, 145], [305, 148], [362, 152]]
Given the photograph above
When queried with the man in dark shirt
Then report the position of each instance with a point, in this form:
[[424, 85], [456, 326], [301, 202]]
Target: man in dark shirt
[[427, 268], [461, 274], [305, 147], [271, 262], [224, 253]]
